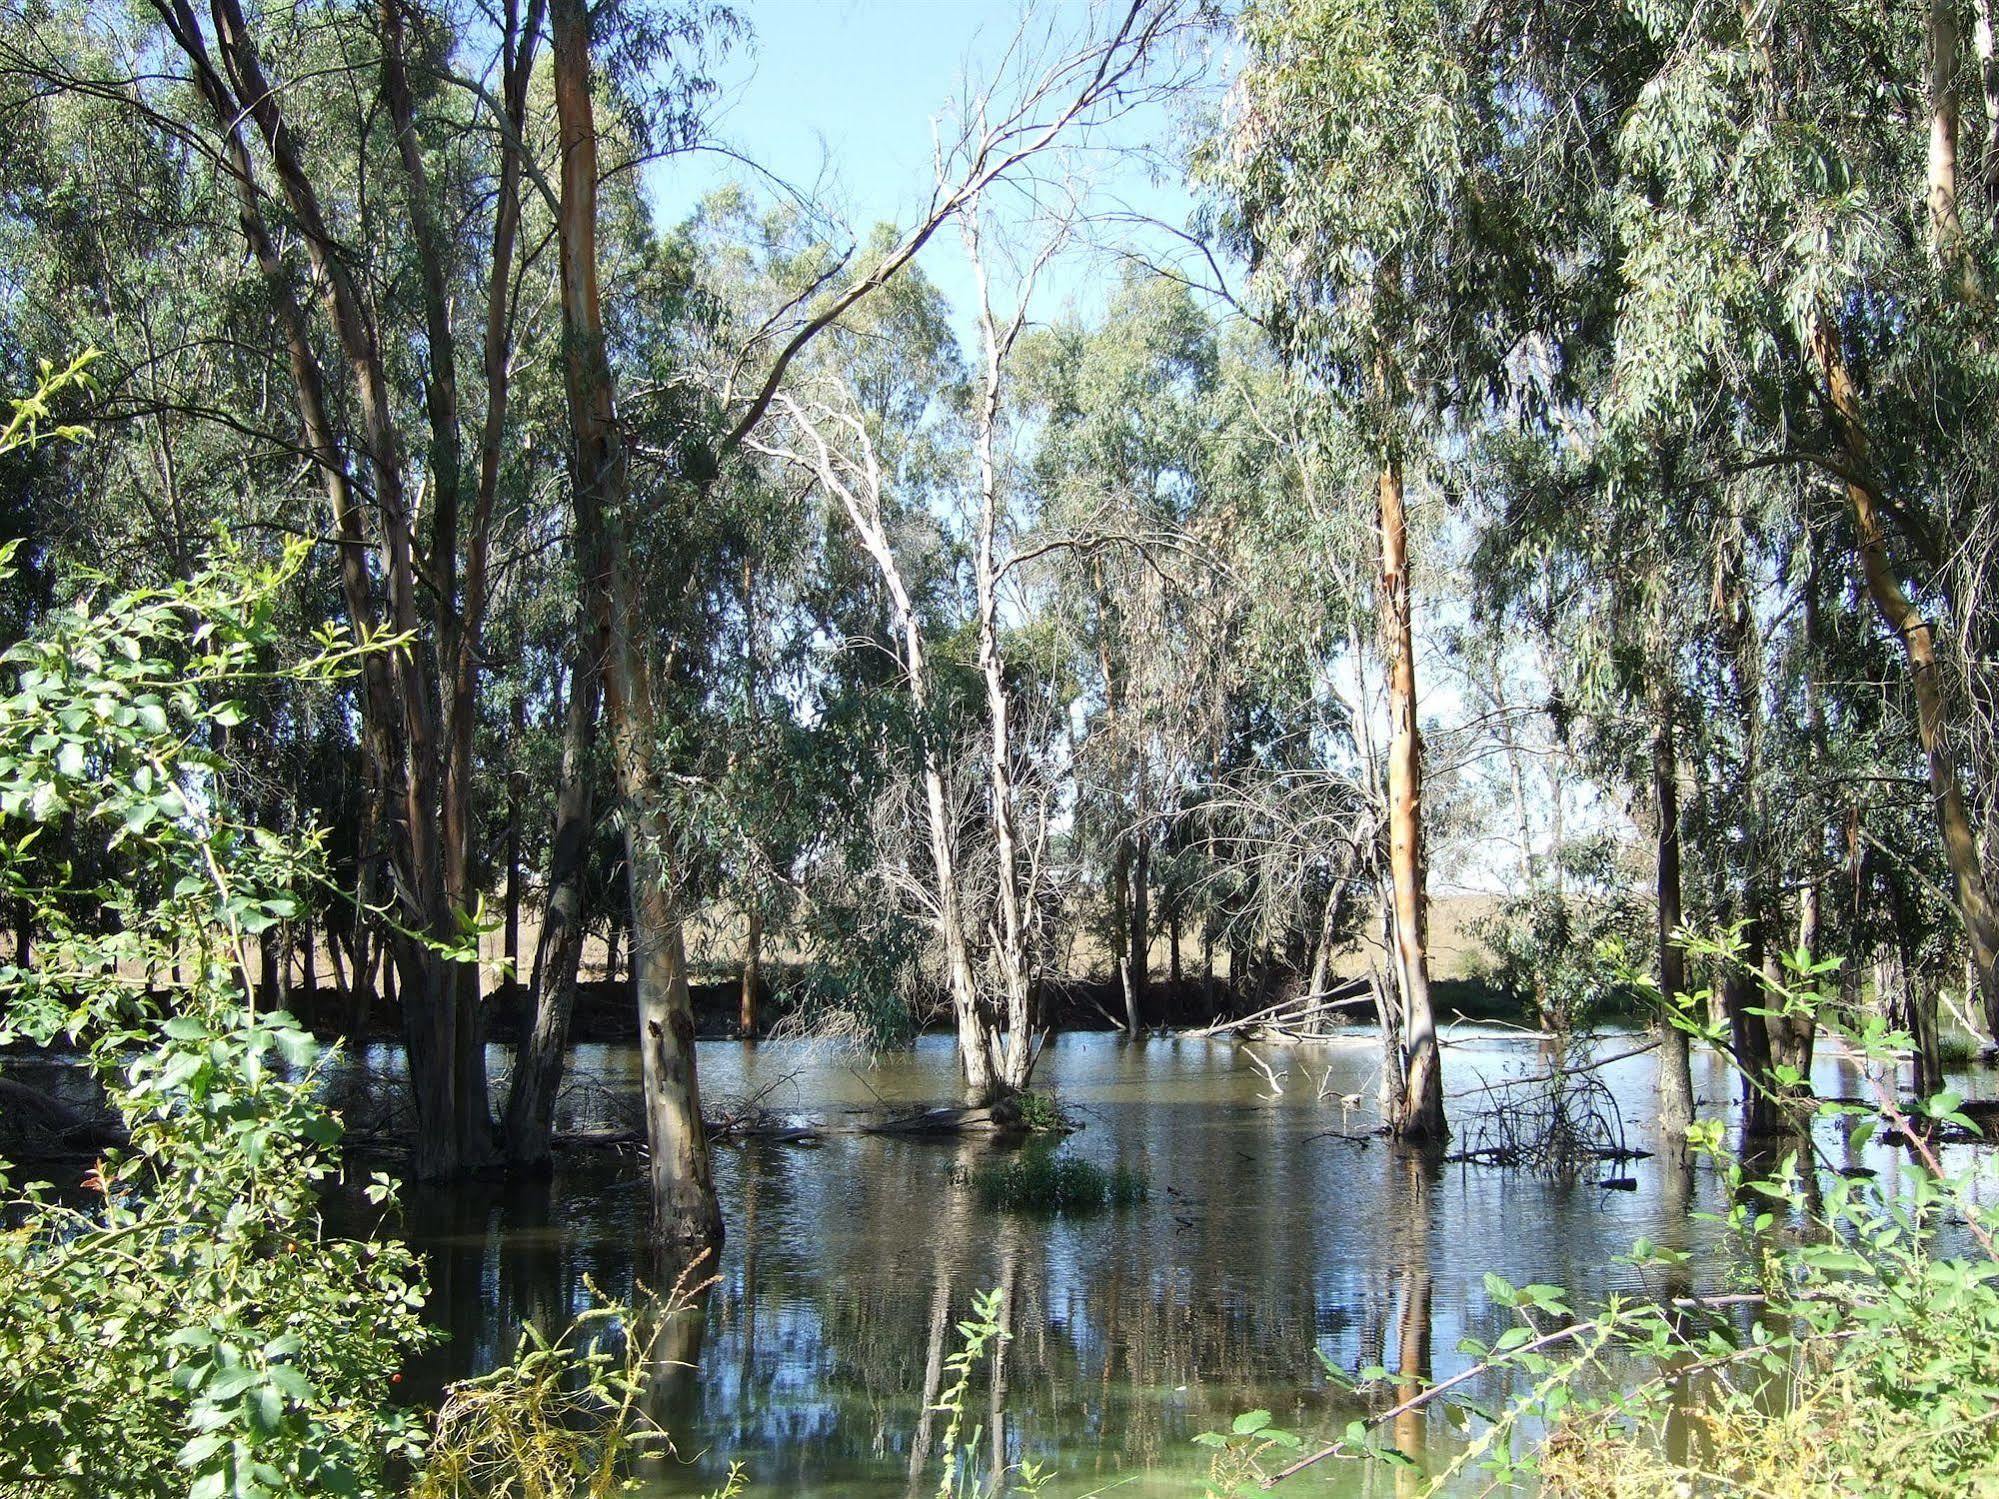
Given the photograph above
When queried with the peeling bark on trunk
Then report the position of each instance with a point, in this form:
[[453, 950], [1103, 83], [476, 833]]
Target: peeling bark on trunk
[[1419, 1118], [685, 1212], [1676, 1083]]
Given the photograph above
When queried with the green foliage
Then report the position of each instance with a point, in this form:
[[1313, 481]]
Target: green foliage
[[1237, 1466], [1561, 951], [561, 1421], [33, 420], [1868, 1363], [186, 1327], [1041, 1112], [1042, 1181]]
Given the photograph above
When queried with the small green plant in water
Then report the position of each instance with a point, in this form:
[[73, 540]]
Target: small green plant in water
[[1044, 1182], [1956, 1049], [985, 1330], [1237, 1467], [1041, 1113]]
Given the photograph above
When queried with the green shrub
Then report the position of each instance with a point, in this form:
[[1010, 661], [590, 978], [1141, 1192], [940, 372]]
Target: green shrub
[[1041, 1113], [1041, 1182], [1956, 1049], [186, 1328], [566, 1419]]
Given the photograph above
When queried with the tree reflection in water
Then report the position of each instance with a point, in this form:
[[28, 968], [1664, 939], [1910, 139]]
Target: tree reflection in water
[[848, 1266]]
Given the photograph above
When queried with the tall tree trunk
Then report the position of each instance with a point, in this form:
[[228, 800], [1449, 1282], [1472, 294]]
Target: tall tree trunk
[[1545, 1010], [1420, 1118], [544, 1047], [511, 934], [753, 923], [1794, 1033], [1988, 87], [1016, 982], [753, 981], [1974, 895], [1676, 1083], [1121, 958], [685, 1211], [1321, 978], [400, 698], [309, 972], [1947, 236], [1128, 960], [1749, 1037], [1744, 995], [1139, 943], [1900, 990]]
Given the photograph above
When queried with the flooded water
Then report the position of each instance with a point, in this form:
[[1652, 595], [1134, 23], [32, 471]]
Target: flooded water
[[1264, 1242]]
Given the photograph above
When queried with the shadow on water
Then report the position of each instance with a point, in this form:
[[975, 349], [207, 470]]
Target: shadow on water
[[816, 1354]]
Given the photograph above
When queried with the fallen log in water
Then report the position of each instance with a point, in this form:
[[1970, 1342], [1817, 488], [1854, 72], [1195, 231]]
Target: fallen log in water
[[34, 1125], [947, 1121]]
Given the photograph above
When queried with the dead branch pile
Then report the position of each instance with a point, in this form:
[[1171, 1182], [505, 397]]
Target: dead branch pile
[[1562, 1125], [1303, 1017]]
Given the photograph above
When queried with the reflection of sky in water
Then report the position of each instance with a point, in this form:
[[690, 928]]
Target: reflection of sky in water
[[1134, 1329]]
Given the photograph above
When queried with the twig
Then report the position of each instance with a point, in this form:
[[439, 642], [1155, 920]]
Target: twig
[[1549, 1077]]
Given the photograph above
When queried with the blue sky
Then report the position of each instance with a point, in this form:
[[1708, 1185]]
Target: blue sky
[[838, 98]]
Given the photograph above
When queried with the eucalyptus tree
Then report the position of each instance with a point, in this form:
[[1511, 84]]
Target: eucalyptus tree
[[1362, 159], [1590, 544], [908, 447], [1125, 412], [308, 165], [1275, 698], [1796, 218]]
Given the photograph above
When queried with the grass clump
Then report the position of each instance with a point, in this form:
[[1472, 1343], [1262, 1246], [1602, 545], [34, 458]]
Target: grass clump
[[1041, 1113], [1041, 1182], [1957, 1049]]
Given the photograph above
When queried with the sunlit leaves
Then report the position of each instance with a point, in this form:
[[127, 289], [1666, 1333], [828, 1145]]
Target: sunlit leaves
[[193, 1307]]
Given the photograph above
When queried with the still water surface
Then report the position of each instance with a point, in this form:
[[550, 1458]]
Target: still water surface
[[1259, 1247]]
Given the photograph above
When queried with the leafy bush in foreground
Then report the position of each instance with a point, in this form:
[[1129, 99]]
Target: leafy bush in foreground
[[186, 1328]]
